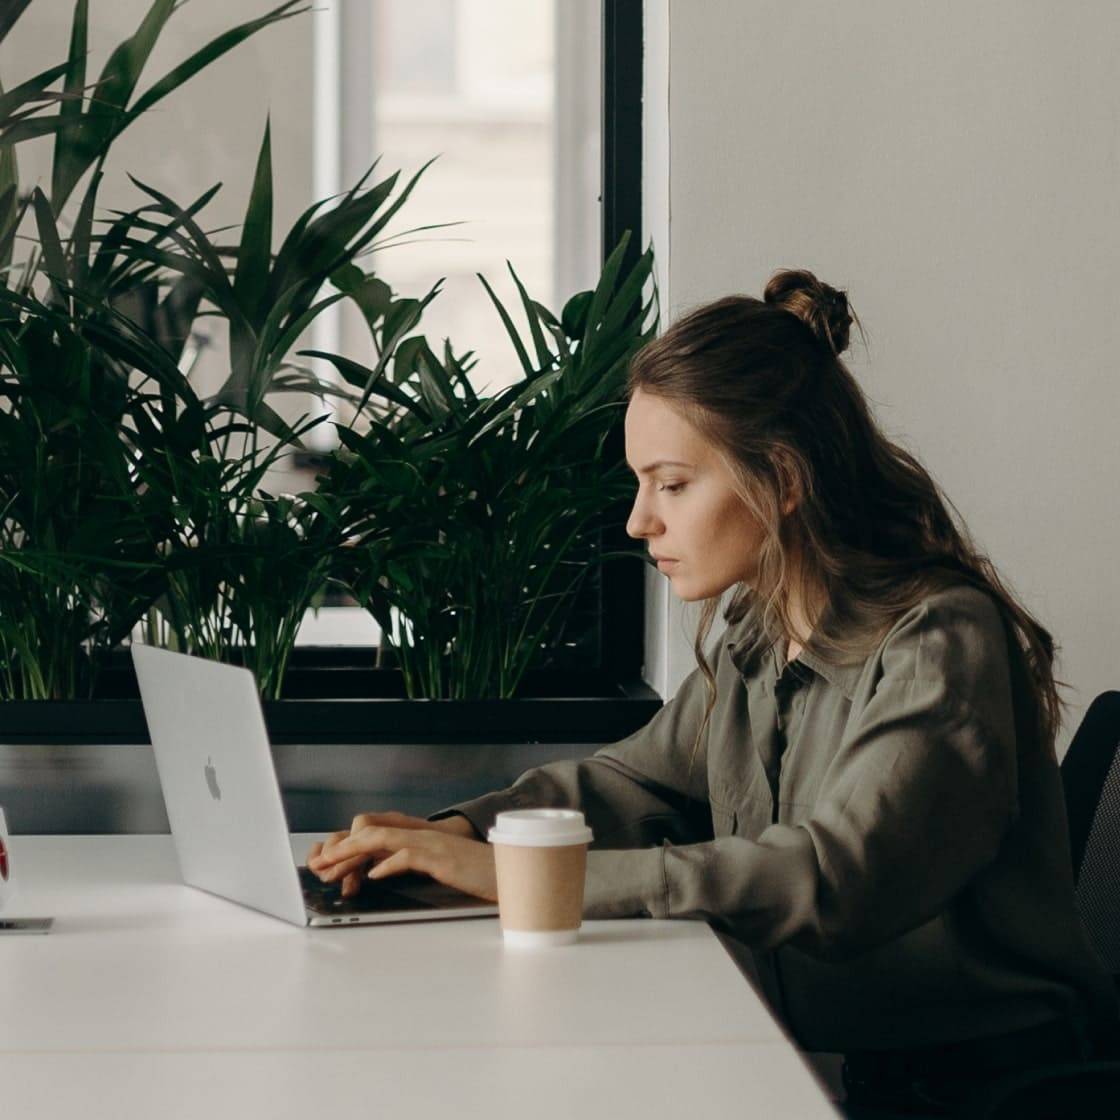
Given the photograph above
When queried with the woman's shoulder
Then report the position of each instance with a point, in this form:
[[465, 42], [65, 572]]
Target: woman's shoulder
[[955, 632], [957, 604]]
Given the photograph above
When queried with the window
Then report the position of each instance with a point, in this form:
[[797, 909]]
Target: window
[[506, 95], [509, 93]]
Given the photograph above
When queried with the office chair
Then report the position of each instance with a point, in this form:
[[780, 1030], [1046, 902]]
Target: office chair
[[1091, 781]]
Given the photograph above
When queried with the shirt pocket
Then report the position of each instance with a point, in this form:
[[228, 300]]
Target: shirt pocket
[[741, 809]]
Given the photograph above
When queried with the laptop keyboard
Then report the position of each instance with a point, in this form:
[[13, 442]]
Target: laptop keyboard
[[372, 896]]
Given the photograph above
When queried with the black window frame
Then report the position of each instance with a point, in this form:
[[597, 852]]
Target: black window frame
[[622, 612]]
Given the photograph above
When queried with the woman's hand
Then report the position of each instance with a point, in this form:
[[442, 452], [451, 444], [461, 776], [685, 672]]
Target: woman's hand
[[457, 825], [398, 843]]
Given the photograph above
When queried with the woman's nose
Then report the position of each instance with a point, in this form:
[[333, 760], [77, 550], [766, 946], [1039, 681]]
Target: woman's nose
[[640, 523]]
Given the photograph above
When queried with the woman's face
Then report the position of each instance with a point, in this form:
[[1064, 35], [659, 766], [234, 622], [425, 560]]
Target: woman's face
[[686, 508]]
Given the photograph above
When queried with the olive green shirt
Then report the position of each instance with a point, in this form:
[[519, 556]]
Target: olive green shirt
[[884, 845]]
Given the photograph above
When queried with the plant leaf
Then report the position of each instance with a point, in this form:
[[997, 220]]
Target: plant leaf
[[270, 352], [34, 89], [9, 207], [80, 237], [70, 113], [526, 394], [601, 297], [51, 244], [20, 130], [10, 11], [370, 380], [88, 135], [545, 356], [511, 330], [213, 50], [255, 252]]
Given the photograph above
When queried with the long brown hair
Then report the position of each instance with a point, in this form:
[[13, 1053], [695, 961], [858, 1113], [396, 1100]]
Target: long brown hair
[[763, 382]]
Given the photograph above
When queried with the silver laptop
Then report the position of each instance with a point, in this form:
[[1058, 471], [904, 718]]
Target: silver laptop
[[223, 803]]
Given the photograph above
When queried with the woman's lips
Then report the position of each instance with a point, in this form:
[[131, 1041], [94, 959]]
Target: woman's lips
[[665, 564]]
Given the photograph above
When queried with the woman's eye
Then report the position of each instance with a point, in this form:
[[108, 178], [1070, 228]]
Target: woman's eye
[[671, 487]]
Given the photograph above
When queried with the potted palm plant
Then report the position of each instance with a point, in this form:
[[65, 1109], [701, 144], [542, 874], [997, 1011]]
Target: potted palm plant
[[470, 527], [475, 520], [90, 338]]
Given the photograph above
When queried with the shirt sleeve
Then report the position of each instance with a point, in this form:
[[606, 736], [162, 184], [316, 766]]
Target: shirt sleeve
[[917, 800], [633, 793]]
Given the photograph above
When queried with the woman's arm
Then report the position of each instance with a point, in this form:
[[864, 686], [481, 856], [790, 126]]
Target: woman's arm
[[632, 793]]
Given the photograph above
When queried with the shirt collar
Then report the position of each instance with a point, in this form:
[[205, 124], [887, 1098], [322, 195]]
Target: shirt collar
[[748, 645], [843, 677]]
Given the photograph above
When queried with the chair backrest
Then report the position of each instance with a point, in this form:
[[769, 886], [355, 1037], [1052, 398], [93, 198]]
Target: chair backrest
[[1091, 779]]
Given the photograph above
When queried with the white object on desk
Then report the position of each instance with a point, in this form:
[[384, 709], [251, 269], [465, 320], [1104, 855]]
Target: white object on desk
[[153, 999], [9, 923], [7, 879]]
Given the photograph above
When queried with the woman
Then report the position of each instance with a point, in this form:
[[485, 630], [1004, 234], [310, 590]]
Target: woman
[[862, 793]]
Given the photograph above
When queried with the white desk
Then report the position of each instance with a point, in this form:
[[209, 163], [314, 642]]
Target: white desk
[[155, 1001]]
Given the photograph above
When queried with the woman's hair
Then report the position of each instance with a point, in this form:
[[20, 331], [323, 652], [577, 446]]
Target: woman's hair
[[763, 382]]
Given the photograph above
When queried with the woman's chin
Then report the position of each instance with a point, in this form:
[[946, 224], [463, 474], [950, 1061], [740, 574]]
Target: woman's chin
[[690, 592], [684, 590]]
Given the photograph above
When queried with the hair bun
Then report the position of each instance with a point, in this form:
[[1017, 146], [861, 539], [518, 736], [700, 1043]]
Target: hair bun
[[822, 308]]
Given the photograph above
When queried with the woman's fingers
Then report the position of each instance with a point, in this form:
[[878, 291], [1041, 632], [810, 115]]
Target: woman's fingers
[[407, 859], [321, 858], [321, 855], [339, 871], [352, 872], [366, 842], [345, 860], [350, 880]]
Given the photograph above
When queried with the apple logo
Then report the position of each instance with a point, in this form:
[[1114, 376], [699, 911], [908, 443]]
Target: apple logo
[[212, 781]]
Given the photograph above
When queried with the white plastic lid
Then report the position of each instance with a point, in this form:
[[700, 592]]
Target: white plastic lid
[[540, 828]]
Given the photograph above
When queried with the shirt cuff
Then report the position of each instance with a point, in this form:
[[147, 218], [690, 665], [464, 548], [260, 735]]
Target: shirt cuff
[[626, 883], [483, 811]]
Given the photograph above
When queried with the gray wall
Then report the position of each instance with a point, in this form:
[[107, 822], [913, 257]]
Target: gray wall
[[954, 167]]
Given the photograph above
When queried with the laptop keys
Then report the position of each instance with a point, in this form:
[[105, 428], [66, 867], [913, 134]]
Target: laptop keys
[[372, 897]]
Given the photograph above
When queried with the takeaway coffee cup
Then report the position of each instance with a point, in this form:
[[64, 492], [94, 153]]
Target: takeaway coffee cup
[[540, 856]]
